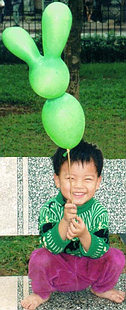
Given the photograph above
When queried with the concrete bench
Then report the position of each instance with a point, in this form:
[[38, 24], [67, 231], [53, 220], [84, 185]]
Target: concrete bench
[[25, 184]]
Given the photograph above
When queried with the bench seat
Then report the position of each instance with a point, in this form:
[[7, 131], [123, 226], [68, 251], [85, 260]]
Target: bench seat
[[15, 288]]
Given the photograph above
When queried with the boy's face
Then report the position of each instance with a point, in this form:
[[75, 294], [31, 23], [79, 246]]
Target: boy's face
[[85, 181]]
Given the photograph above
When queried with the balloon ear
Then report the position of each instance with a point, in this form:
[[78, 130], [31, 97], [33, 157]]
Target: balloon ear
[[56, 25], [19, 42]]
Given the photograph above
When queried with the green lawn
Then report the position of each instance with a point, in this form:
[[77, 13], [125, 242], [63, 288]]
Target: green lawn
[[102, 95]]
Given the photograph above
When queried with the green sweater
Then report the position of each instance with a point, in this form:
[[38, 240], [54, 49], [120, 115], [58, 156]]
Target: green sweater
[[95, 217]]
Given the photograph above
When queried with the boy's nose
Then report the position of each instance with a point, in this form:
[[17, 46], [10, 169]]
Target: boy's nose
[[78, 184]]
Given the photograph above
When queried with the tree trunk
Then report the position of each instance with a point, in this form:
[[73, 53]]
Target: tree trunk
[[73, 47]]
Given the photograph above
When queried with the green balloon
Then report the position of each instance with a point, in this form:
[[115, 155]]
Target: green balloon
[[19, 43], [49, 78], [64, 121], [56, 25], [48, 75]]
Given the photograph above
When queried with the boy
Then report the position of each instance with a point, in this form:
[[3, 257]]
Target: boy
[[75, 251]]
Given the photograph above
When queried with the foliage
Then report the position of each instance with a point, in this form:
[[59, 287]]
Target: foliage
[[103, 49]]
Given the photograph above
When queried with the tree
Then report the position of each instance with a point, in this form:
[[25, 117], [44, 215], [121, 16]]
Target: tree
[[73, 47]]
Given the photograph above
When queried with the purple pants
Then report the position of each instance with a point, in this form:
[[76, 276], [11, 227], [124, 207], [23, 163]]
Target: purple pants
[[64, 272]]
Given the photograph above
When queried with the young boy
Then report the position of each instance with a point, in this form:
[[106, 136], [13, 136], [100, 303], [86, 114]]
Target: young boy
[[75, 251]]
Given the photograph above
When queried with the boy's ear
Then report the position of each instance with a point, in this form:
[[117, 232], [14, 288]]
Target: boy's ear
[[56, 180], [98, 182]]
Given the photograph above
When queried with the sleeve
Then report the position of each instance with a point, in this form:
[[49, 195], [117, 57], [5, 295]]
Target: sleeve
[[49, 233], [99, 235]]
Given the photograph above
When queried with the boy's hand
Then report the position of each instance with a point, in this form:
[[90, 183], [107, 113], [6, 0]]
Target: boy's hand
[[76, 229], [70, 212]]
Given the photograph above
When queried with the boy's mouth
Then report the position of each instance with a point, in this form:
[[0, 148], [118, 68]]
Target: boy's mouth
[[78, 194]]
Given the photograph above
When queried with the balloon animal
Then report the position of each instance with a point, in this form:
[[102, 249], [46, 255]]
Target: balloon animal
[[48, 74], [62, 115]]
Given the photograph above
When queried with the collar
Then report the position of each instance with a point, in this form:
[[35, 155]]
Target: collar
[[86, 206]]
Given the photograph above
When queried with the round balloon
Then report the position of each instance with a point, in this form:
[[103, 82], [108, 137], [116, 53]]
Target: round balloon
[[64, 121]]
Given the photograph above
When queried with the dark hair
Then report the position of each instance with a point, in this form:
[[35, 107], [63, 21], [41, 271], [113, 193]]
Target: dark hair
[[84, 152]]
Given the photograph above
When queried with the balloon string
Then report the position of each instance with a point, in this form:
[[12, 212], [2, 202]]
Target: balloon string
[[69, 169]]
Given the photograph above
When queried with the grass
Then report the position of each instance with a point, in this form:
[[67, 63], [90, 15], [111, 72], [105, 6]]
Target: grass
[[15, 253], [15, 88], [102, 95], [23, 135]]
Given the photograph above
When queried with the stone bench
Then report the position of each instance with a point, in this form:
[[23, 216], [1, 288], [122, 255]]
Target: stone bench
[[25, 184]]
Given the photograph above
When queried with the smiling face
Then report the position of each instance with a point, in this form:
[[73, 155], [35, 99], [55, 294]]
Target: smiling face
[[85, 181]]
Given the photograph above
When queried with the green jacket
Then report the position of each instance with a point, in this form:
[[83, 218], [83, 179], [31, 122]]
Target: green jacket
[[95, 217]]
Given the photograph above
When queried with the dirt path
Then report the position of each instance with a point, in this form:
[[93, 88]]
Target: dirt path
[[9, 109]]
